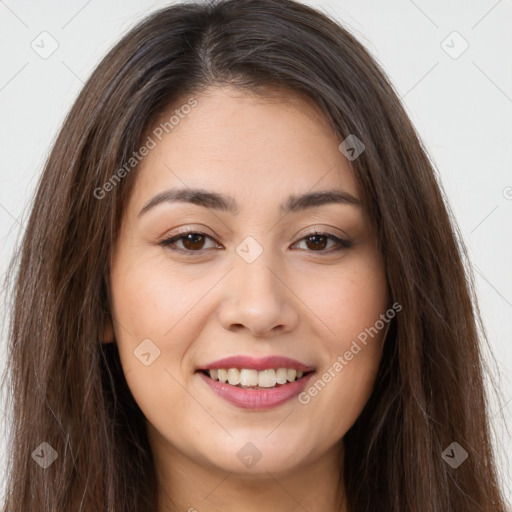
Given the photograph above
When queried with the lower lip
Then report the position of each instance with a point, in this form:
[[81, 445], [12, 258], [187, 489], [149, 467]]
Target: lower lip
[[257, 399]]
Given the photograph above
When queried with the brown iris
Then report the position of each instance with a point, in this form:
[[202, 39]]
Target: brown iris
[[317, 244], [193, 241]]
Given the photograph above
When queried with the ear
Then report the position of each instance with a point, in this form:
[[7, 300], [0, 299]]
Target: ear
[[108, 330]]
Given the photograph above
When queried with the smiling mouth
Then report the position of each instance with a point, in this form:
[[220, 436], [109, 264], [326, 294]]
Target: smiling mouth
[[245, 378]]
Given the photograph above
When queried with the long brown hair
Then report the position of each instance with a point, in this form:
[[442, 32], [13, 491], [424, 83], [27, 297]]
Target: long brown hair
[[68, 389]]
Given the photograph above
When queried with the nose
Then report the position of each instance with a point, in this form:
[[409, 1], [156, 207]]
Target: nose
[[258, 298]]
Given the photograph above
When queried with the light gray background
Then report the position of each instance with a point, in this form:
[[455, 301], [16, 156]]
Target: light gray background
[[461, 107]]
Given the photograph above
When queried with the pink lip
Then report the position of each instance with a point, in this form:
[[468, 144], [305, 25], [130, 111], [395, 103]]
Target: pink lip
[[254, 398], [252, 363]]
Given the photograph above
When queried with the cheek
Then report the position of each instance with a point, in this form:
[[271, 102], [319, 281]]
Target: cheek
[[352, 308], [153, 334], [153, 301], [351, 299], [146, 307], [341, 387]]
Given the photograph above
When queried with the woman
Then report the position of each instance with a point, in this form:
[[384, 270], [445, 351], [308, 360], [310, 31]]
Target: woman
[[240, 286]]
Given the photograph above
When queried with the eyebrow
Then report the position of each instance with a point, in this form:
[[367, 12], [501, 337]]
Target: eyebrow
[[221, 202]]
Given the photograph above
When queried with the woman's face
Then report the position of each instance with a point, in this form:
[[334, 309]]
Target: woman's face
[[253, 281]]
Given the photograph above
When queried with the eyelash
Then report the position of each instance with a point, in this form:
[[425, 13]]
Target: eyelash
[[168, 243]]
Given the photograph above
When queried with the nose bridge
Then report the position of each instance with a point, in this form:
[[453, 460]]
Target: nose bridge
[[255, 268]]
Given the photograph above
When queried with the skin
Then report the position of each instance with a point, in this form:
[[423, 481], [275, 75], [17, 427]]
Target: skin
[[297, 299]]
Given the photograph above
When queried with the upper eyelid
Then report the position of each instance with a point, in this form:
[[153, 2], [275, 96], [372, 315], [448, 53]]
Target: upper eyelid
[[315, 230]]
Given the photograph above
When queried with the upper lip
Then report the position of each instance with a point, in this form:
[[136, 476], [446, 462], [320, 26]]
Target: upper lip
[[257, 363]]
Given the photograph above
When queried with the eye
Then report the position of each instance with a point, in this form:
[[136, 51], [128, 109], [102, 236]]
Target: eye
[[317, 242], [192, 242]]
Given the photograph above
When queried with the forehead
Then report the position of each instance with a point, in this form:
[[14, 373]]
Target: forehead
[[248, 146]]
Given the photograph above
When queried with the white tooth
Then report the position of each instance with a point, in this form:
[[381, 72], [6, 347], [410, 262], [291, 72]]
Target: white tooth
[[291, 374], [281, 375], [222, 375], [248, 377], [214, 374], [299, 374], [267, 378], [234, 376]]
